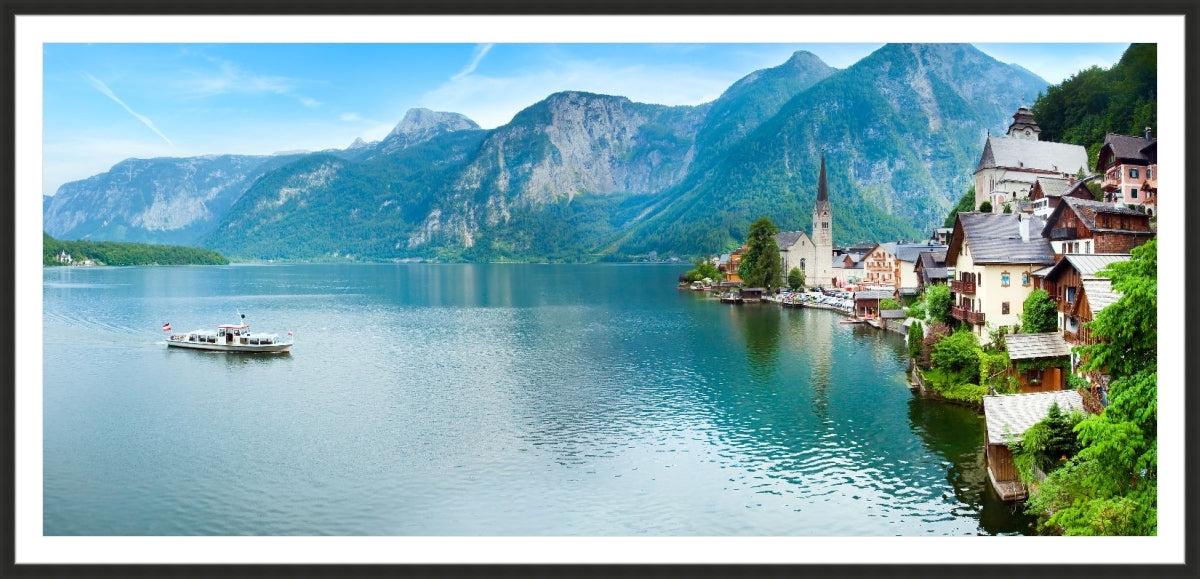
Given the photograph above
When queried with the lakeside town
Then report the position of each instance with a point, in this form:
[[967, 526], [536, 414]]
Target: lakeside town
[[1037, 308]]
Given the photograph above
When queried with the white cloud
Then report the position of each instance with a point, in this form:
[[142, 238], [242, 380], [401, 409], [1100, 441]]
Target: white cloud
[[103, 88], [229, 78], [481, 51]]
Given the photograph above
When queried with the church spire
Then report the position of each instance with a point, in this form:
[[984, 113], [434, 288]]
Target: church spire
[[822, 187]]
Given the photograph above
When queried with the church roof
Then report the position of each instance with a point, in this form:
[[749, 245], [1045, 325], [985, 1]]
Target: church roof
[[1010, 153], [786, 239]]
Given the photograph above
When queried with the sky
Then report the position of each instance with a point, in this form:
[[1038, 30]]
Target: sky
[[105, 102]]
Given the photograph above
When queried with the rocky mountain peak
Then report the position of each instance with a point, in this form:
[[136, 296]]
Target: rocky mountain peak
[[419, 125]]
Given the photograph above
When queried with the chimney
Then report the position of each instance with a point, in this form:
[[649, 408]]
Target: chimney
[[1023, 227], [1148, 137]]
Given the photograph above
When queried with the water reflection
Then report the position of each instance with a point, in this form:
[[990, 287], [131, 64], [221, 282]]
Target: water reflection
[[956, 433]]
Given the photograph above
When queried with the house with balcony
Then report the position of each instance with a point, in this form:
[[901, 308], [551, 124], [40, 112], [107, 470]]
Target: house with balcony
[[1086, 226], [1075, 284], [994, 256], [1010, 165], [847, 269], [879, 267], [1126, 165]]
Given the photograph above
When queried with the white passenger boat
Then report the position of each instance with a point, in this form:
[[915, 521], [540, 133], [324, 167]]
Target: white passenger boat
[[230, 338]]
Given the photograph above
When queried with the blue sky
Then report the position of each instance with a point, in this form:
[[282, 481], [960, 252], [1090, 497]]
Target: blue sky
[[105, 102]]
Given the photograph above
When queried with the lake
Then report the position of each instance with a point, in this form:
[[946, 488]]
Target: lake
[[488, 399]]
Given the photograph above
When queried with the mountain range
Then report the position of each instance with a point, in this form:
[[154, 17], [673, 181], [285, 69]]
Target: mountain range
[[581, 176]]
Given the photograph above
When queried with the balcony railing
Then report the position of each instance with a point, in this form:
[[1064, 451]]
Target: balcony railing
[[1110, 185], [1062, 233], [959, 313], [962, 313], [962, 287]]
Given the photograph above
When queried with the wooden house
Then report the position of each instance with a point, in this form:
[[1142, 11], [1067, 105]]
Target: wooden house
[[1048, 192], [1037, 361], [1075, 284], [1082, 226], [930, 269], [1006, 418]]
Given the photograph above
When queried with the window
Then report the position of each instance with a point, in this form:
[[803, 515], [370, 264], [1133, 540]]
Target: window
[[1133, 193], [1087, 247], [1025, 279], [1071, 293], [1004, 279], [1004, 308], [1133, 173], [1149, 173]]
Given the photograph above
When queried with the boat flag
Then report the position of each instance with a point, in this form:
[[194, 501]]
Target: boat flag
[[289, 334], [167, 327]]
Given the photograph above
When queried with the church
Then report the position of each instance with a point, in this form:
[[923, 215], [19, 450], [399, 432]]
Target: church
[[813, 255]]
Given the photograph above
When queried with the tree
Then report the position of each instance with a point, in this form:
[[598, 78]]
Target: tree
[[704, 269], [937, 303], [916, 333], [795, 278], [985, 207], [1111, 486], [1040, 313], [760, 265], [965, 203], [955, 355], [889, 304]]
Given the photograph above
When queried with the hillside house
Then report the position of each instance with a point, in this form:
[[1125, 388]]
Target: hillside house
[[1010, 165], [1006, 418], [1048, 192], [994, 256], [930, 269], [847, 269], [1075, 284], [1126, 165], [907, 257], [1084, 226]]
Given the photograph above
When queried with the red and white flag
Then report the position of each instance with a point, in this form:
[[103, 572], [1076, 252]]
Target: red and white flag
[[167, 327], [289, 334]]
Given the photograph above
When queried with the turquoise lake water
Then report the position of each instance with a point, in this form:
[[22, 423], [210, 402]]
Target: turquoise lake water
[[489, 399]]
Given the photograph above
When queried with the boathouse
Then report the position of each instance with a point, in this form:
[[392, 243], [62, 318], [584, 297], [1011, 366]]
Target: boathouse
[[1006, 419]]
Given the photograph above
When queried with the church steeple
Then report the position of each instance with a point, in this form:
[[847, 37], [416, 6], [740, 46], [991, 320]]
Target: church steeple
[[822, 187]]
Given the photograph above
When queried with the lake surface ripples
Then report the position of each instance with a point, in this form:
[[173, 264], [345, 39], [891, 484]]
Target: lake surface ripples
[[454, 400]]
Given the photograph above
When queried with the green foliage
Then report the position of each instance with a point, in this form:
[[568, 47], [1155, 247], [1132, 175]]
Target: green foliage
[[1094, 101], [118, 253], [760, 266], [956, 356], [1007, 208], [889, 304], [938, 302], [704, 269], [1111, 486], [951, 387], [1047, 444], [795, 278], [992, 368], [966, 203], [1040, 313], [985, 207], [937, 332], [916, 310], [916, 333]]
